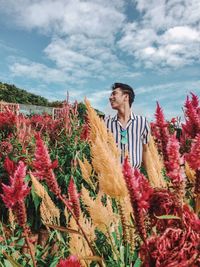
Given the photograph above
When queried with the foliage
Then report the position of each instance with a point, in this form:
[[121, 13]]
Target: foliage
[[84, 208]]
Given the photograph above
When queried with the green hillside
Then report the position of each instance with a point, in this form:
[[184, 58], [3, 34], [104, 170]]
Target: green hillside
[[12, 94]]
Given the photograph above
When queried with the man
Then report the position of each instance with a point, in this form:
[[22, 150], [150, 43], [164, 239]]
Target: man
[[131, 132]]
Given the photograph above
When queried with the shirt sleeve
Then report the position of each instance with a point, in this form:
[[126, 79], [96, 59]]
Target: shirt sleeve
[[146, 133]]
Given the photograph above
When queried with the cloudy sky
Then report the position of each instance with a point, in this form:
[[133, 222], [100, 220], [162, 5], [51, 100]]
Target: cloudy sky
[[49, 47]]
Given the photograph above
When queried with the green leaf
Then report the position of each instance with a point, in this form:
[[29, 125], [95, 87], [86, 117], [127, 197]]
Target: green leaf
[[137, 263], [167, 217], [10, 262]]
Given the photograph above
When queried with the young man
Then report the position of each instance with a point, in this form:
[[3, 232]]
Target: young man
[[131, 132]]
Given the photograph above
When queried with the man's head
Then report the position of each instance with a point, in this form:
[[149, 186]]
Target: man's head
[[121, 93]]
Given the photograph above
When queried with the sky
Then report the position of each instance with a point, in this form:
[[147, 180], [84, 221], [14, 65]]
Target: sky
[[51, 47]]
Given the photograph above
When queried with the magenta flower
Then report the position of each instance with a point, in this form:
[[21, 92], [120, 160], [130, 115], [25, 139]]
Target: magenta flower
[[9, 166], [14, 194], [192, 117], [160, 131], [193, 158], [139, 192], [176, 246], [17, 190], [74, 198], [44, 167], [71, 261]]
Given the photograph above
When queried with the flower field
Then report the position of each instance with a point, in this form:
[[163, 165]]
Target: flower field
[[67, 201]]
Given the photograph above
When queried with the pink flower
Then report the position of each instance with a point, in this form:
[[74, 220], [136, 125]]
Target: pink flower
[[44, 167], [193, 158], [173, 168], [5, 147], [17, 190], [192, 117], [139, 192], [74, 198], [176, 246], [163, 202], [15, 193], [160, 131], [9, 166], [71, 261]]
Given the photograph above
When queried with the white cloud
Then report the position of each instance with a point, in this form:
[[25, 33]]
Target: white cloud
[[38, 71], [166, 35], [67, 17]]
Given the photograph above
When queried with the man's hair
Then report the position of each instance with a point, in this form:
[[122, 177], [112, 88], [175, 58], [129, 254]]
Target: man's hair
[[126, 89]]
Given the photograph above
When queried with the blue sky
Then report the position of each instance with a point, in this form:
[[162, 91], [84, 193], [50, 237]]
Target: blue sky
[[49, 47]]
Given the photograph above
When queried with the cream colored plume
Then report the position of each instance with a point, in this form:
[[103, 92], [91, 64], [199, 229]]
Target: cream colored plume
[[77, 244], [86, 170], [109, 170], [50, 214], [190, 173], [102, 216], [154, 165], [97, 126]]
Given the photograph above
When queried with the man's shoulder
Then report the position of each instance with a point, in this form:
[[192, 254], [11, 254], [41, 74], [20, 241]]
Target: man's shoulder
[[139, 117], [109, 118]]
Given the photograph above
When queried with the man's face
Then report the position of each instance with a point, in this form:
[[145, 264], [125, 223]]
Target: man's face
[[117, 98]]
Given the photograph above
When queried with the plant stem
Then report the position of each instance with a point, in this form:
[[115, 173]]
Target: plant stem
[[29, 246]]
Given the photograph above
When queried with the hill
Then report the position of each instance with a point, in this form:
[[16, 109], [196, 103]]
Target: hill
[[12, 94]]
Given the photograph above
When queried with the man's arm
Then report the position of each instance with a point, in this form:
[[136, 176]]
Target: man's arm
[[145, 155]]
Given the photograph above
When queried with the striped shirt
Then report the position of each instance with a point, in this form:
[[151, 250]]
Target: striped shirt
[[137, 134]]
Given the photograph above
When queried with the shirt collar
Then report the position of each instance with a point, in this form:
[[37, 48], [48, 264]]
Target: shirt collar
[[132, 117]]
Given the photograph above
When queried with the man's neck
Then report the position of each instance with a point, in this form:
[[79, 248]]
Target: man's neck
[[123, 116]]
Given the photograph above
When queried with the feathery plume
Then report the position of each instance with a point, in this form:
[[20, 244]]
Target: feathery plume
[[154, 165], [50, 214], [86, 170], [173, 166], [139, 193], [44, 167], [74, 198], [161, 131], [97, 126], [109, 170]]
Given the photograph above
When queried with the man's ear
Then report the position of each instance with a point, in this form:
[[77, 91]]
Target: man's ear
[[127, 97]]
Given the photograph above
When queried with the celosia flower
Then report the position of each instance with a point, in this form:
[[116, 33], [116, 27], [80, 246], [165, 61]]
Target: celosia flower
[[175, 246], [9, 166], [74, 198], [192, 117], [44, 167], [163, 202], [193, 158], [174, 161], [139, 192], [160, 130], [71, 261], [17, 190], [15, 193], [5, 147]]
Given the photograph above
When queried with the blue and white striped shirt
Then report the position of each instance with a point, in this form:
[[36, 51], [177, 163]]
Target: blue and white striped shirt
[[137, 134]]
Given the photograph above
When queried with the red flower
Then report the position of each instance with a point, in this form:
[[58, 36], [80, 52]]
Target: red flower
[[15, 193], [193, 158], [160, 131], [71, 261], [74, 198], [44, 167], [192, 117], [6, 147], [163, 202], [17, 190], [9, 166], [139, 192], [173, 166], [176, 246]]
